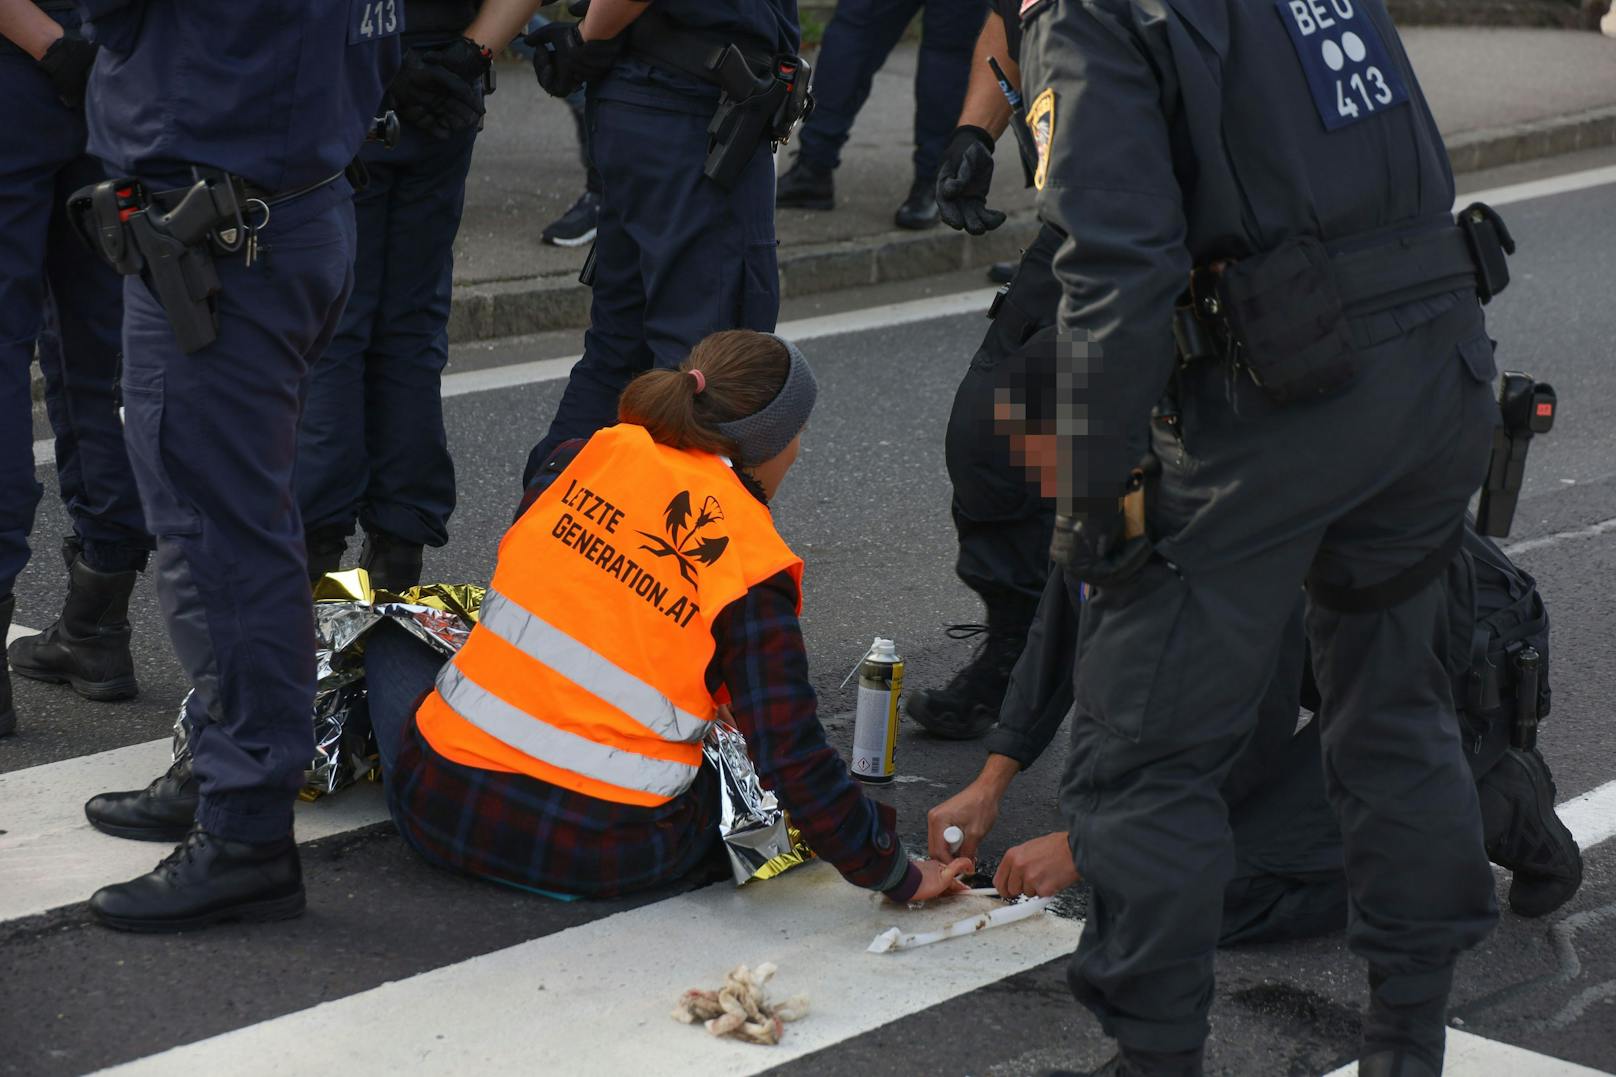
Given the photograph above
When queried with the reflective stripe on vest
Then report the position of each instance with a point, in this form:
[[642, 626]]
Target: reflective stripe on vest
[[541, 740], [588, 669]]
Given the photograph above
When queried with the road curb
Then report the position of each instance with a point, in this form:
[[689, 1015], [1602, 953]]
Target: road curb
[[539, 304], [495, 309]]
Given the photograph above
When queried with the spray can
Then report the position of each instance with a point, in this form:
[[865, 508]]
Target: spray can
[[875, 724]]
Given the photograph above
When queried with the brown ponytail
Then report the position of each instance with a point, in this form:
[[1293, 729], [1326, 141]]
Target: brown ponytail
[[742, 370]]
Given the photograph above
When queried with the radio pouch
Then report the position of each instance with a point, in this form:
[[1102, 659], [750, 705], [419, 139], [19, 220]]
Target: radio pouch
[[1285, 314]]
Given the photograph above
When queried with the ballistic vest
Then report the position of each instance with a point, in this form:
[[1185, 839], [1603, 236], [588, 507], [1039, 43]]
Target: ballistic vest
[[587, 667]]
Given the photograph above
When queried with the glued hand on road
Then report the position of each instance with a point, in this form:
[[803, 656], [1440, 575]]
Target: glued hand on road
[[939, 877], [1038, 868]]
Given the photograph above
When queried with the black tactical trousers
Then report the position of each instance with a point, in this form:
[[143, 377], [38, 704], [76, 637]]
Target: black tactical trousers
[[1003, 524], [1173, 664]]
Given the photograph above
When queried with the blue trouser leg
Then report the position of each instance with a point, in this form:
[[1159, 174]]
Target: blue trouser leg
[[677, 258], [38, 138], [947, 39], [213, 440], [372, 444], [857, 42], [79, 355]]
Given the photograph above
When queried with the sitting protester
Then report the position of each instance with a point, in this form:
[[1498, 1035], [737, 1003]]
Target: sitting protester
[[642, 588]]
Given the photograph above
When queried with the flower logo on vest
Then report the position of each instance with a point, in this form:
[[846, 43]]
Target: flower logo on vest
[[686, 549]]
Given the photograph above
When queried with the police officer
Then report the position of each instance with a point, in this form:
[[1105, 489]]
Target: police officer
[[1002, 523], [53, 291], [1328, 426], [860, 37], [243, 122], [678, 254], [371, 445]]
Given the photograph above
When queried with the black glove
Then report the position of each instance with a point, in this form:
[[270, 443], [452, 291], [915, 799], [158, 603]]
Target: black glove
[[564, 61], [963, 182], [67, 64], [465, 58], [1092, 546], [432, 98]]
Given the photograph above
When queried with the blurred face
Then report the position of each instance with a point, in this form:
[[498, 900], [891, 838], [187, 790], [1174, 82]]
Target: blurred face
[[1035, 452], [772, 472]]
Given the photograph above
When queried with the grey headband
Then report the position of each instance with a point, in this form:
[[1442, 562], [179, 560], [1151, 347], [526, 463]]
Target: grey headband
[[764, 434]]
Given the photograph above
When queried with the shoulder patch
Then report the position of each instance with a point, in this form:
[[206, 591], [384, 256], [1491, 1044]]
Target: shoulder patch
[[1348, 70], [1041, 119]]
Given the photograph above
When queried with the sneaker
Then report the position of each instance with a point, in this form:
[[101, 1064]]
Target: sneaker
[[803, 186], [1524, 834], [575, 227]]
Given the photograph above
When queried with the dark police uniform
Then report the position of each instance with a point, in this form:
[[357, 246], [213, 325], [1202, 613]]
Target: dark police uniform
[[858, 40], [1003, 523], [1233, 132], [676, 256], [371, 444], [57, 294], [279, 94]]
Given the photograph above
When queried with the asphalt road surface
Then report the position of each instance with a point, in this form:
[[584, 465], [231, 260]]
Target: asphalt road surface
[[398, 966]]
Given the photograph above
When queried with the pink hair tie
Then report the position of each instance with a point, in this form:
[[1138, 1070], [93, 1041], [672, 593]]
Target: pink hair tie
[[701, 381]]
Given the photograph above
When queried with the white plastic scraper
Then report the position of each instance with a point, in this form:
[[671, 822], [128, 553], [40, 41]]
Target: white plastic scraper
[[893, 939]]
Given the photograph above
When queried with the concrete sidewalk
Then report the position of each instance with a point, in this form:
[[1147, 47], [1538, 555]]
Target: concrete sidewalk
[[1499, 95]]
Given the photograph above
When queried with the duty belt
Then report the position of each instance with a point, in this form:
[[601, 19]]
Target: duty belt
[[663, 43], [1368, 279]]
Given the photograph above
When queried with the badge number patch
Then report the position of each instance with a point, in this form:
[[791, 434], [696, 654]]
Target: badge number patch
[[372, 20], [1041, 120], [1347, 67]]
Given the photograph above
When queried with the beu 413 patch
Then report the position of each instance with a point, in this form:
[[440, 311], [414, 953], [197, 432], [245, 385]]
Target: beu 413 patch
[[1348, 70]]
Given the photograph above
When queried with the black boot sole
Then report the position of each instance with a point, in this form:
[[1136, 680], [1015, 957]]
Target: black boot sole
[[119, 688], [285, 908], [171, 835], [806, 203]]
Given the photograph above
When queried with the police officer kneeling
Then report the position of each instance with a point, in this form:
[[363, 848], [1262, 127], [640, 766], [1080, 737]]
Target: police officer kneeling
[[1329, 434], [234, 227]]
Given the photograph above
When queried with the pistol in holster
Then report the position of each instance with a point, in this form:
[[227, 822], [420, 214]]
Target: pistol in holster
[[172, 250], [1526, 407], [753, 108]]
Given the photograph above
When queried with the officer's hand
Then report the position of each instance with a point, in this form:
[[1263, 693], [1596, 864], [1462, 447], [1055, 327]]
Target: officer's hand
[[432, 98], [1037, 868], [973, 809], [467, 59], [939, 877], [67, 64], [1093, 546], [564, 61], [963, 182]]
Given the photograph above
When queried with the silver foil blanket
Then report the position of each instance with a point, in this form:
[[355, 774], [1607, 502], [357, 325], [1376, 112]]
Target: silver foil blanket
[[757, 833], [345, 609]]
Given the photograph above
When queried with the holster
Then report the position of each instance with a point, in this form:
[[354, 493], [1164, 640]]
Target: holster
[[172, 250], [763, 95]]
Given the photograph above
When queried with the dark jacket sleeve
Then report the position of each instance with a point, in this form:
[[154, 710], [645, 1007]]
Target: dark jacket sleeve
[[1040, 692], [1110, 186], [762, 661]]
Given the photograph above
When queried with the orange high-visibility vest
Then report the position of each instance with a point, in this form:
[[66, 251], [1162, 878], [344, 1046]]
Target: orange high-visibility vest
[[587, 668]]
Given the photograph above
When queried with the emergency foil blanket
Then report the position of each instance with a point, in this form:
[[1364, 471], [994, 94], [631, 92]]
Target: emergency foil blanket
[[757, 833], [346, 607]]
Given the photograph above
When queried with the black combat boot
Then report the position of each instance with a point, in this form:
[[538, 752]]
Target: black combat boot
[[163, 811], [8, 715], [1131, 1062], [88, 645], [394, 565], [1524, 834], [325, 546], [919, 210], [803, 186], [204, 881], [968, 706], [1395, 1064], [1406, 1027]]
